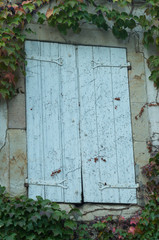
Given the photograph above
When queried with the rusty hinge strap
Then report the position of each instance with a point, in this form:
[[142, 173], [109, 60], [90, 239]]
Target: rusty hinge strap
[[46, 183], [120, 186]]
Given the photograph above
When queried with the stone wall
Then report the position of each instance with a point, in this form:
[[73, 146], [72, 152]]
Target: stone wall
[[13, 153]]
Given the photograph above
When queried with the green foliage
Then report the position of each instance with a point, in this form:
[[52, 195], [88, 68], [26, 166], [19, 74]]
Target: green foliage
[[69, 14], [153, 63], [13, 17], [23, 218]]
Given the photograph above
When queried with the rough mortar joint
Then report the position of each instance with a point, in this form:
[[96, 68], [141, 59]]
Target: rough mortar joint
[[5, 140]]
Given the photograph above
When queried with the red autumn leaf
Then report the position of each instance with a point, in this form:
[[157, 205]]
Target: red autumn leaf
[[49, 12], [121, 218], [10, 77], [25, 2], [135, 220], [120, 237], [131, 230], [14, 6]]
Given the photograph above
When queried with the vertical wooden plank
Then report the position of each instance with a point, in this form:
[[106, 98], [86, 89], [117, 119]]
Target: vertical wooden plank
[[70, 124], [51, 121], [88, 126], [124, 145], [105, 124], [34, 120]]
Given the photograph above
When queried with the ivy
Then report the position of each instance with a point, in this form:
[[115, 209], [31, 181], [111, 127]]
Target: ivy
[[13, 17], [24, 218]]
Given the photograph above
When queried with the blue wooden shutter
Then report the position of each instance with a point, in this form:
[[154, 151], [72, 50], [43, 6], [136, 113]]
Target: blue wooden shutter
[[53, 122], [78, 124], [106, 137]]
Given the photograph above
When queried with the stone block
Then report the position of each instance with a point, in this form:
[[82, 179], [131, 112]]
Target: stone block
[[137, 78], [18, 162], [16, 112], [90, 211], [141, 153], [141, 159], [139, 126]]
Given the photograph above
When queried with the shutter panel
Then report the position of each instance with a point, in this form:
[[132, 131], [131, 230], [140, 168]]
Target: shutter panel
[[53, 122], [78, 123], [107, 149]]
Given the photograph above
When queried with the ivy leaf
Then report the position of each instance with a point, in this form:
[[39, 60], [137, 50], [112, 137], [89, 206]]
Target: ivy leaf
[[29, 30], [148, 39], [2, 44], [157, 41], [41, 18], [119, 32], [14, 20], [1, 223], [131, 23], [28, 17], [57, 231], [72, 3], [29, 6], [70, 224], [10, 50], [49, 12], [11, 237], [10, 76]]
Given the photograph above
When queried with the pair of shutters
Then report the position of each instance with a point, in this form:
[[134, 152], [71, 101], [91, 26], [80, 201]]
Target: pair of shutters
[[79, 138]]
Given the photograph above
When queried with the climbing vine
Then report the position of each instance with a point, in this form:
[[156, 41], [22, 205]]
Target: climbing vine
[[66, 15], [13, 17], [23, 218], [70, 15]]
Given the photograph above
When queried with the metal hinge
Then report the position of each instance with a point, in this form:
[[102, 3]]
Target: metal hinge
[[46, 183], [120, 186], [58, 61], [97, 65]]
